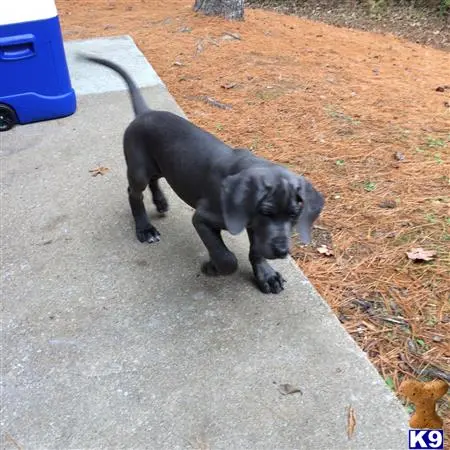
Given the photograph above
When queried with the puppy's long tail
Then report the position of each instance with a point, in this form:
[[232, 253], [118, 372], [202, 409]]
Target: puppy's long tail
[[137, 100]]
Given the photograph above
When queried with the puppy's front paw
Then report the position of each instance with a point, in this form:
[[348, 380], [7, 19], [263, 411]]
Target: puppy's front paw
[[270, 282], [149, 234], [226, 264]]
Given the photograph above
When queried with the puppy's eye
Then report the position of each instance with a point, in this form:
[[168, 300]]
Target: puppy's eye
[[295, 212], [266, 212]]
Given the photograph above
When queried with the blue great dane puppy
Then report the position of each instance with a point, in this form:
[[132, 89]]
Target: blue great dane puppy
[[230, 189]]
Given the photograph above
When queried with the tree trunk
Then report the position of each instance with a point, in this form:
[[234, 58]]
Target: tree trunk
[[230, 9]]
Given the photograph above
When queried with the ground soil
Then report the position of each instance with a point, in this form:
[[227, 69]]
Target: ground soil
[[427, 24], [365, 116]]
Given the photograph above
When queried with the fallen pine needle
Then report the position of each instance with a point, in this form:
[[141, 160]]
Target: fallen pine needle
[[351, 422], [9, 438]]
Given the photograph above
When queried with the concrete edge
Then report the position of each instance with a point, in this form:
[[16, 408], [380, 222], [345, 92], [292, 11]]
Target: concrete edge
[[90, 78]]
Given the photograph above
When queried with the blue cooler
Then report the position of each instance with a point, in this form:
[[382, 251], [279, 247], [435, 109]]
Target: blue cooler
[[34, 78]]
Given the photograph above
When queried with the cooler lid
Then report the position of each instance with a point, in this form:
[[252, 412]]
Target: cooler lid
[[17, 11]]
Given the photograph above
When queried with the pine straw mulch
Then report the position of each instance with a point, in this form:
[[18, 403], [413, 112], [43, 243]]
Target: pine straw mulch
[[359, 115]]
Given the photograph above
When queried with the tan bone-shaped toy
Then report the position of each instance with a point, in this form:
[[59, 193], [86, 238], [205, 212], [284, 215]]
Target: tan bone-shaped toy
[[424, 396]]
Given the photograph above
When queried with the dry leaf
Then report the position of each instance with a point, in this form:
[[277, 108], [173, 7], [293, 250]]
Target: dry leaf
[[419, 254], [99, 171], [287, 389], [351, 422], [324, 250], [229, 85]]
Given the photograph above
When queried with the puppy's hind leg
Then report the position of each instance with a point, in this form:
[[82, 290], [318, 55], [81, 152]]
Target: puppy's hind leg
[[145, 231], [159, 199]]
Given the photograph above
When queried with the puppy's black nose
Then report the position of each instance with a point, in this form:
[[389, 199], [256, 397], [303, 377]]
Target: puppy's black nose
[[280, 247], [280, 253]]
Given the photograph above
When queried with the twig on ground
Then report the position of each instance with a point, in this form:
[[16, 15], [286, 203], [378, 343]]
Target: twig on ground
[[212, 102]]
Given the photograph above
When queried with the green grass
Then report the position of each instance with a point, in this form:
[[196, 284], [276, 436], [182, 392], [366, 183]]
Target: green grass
[[369, 186], [435, 142], [335, 114], [390, 382]]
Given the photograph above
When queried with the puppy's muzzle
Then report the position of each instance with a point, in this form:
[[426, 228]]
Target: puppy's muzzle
[[280, 247]]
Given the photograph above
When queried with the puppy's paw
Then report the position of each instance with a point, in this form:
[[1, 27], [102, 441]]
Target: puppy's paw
[[271, 282], [209, 269], [149, 234], [226, 264], [162, 206]]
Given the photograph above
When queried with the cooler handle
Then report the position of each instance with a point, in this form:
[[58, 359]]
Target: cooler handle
[[13, 48]]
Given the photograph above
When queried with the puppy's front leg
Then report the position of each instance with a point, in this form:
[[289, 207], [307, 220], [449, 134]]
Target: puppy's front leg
[[222, 262], [267, 278]]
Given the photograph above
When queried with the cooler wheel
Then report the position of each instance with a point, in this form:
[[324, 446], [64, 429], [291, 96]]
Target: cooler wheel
[[8, 117]]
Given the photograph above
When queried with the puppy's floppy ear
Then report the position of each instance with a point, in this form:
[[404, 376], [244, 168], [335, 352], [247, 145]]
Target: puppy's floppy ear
[[313, 203], [240, 195]]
